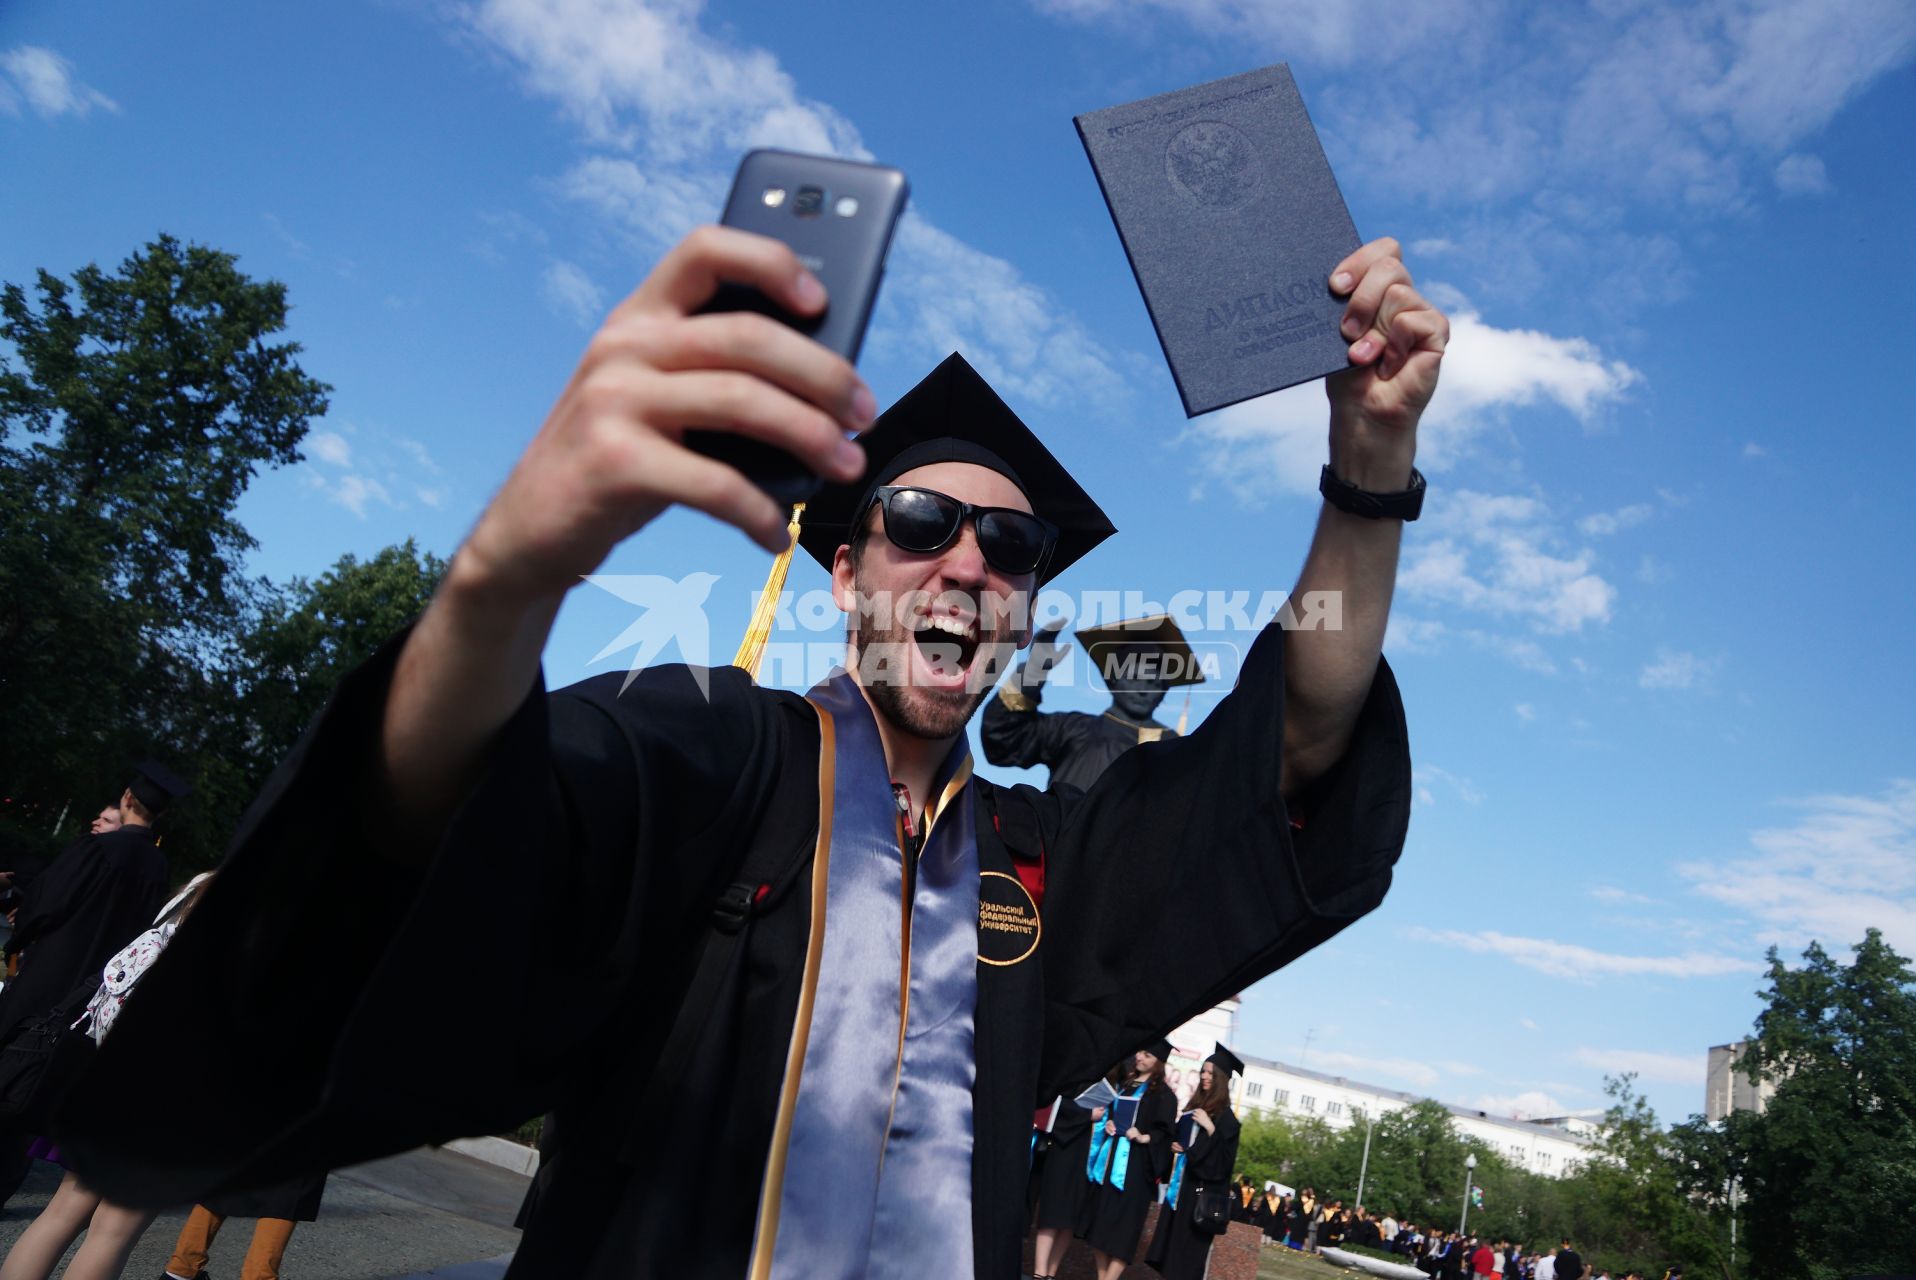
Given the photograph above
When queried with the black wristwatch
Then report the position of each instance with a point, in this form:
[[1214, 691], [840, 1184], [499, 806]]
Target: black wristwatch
[[1406, 504]]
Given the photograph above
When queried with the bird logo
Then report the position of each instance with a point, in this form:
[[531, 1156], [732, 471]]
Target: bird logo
[[674, 613]]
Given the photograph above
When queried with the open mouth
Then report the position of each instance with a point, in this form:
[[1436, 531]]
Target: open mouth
[[946, 647]]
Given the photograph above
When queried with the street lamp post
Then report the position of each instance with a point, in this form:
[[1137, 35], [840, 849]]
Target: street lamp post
[[1369, 1124], [1470, 1168]]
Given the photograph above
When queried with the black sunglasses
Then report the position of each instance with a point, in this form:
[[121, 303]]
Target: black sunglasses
[[925, 522]]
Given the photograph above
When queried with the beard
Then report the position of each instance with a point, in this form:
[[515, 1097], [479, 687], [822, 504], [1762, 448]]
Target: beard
[[933, 714], [926, 712]]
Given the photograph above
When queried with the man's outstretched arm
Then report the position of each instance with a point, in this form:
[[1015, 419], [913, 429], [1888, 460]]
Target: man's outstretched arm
[[1397, 343], [608, 460]]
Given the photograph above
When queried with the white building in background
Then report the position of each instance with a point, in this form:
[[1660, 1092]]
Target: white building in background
[[1727, 1089], [1554, 1147]]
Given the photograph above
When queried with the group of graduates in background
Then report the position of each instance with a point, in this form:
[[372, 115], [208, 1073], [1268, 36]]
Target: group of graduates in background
[[1096, 1183], [83, 930]]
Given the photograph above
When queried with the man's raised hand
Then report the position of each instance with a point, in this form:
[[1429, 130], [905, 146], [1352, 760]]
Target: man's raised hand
[[1397, 341], [611, 455]]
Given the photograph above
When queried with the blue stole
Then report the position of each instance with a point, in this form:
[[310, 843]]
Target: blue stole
[[869, 1177], [1110, 1156], [1177, 1169]]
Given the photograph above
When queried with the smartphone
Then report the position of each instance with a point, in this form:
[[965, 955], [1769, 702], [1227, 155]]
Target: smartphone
[[838, 216]]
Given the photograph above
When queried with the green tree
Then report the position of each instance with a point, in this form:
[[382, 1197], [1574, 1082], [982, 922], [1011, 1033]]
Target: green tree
[[1829, 1167], [135, 407], [1631, 1205], [1277, 1148], [300, 643]]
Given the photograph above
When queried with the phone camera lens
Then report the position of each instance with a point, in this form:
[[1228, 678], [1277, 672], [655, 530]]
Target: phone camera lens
[[809, 202]]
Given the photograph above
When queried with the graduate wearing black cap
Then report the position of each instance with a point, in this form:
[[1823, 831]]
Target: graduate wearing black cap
[[738, 907], [1179, 1249], [98, 895], [1127, 1162]]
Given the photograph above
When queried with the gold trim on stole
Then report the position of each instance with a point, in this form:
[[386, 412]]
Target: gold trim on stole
[[772, 1191]]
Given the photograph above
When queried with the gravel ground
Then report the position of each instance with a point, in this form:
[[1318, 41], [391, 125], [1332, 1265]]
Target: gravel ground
[[425, 1213]]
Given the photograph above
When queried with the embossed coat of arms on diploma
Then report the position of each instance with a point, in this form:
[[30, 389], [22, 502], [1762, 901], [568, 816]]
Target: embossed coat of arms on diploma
[[1232, 221]]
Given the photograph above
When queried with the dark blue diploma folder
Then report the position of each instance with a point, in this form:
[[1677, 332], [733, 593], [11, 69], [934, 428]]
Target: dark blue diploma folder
[[1233, 222]]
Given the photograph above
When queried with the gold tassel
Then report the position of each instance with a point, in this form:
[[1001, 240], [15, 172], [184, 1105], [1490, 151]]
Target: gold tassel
[[758, 632], [1184, 716]]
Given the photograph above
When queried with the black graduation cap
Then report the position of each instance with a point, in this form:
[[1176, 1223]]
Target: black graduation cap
[[1112, 645], [1226, 1061], [953, 415], [155, 786], [1159, 1049]]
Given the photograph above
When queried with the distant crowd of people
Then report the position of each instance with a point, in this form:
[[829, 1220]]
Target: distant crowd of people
[[1307, 1223]]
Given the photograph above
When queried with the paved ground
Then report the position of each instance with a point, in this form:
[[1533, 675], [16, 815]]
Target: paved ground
[[425, 1213]]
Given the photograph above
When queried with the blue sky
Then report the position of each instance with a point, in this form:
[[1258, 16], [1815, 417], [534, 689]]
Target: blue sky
[[1652, 630]]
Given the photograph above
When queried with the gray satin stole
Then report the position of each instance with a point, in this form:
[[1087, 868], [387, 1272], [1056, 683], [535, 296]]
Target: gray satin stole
[[870, 1169]]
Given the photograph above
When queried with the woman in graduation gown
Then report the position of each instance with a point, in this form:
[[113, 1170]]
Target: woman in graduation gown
[[1061, 1185], [620, 820], [1178, 1249], [1303, 1218], [1126, 1167]]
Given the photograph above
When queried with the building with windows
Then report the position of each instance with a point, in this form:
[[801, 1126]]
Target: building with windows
[[1553, 1147], [1727, 1088]]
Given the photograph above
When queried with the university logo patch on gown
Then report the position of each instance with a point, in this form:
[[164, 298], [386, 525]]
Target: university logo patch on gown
[[1008, 923]]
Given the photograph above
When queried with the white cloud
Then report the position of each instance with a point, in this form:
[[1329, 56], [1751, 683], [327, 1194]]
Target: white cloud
[[353, 491], [668, 107], [1407, 633], [364, 469], [1647, 1065], [1751, 449], [1847, 864], [43, 80], [1604, 523], [1585, 964], [1528, 1024], [330, 446], [1665, 100], [569, 291], [1525, 712], [1488, 373], [299, 248], [1532, 1104], [1502, 555], [1678, 669], [1802, 175], [1428, 776], [1376, 1070], [1540, 136], [1610, 893]]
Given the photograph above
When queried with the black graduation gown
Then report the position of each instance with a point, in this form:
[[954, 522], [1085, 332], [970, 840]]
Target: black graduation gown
[[1075, 747], [99, 895], [1060, 1172], [599, 836], [1114, 1218], [296, 1199], [1178, 1249]]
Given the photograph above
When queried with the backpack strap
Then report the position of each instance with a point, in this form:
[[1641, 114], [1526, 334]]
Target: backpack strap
[[773, 861], [1015, 819]]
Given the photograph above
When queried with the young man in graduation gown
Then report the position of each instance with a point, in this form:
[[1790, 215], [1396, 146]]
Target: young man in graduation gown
[[97, 896], [1141, 660], [858, 1099]]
